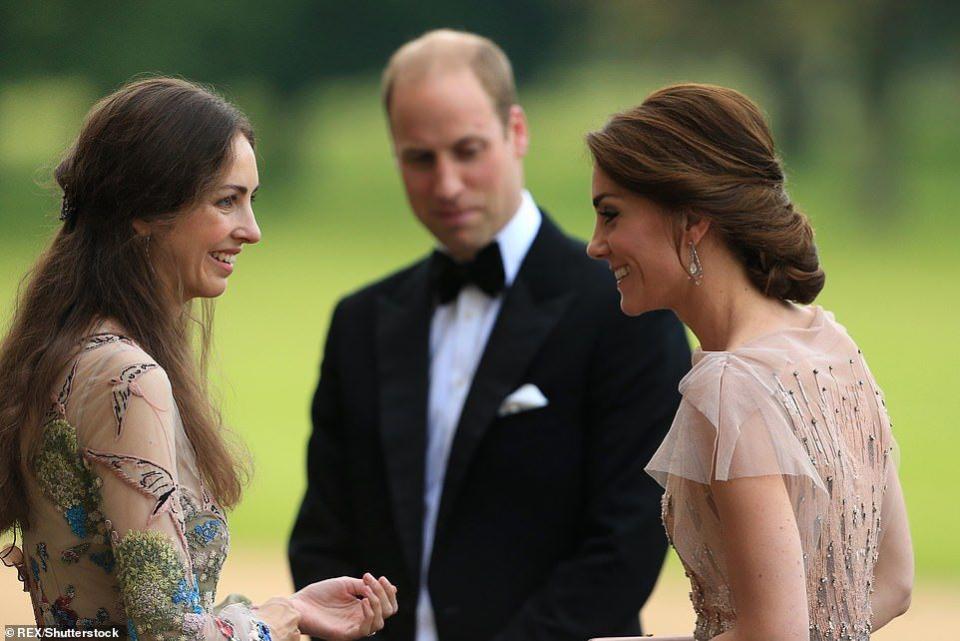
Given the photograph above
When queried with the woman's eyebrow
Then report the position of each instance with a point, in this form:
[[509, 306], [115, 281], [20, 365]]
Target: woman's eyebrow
[[240, 188], [599, 197]]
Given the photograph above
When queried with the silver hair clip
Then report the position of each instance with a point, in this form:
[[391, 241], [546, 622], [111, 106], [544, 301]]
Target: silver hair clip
[[67, 209]]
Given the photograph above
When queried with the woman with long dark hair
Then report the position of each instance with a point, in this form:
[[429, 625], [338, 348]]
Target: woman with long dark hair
[[113, 461], [781, 496]]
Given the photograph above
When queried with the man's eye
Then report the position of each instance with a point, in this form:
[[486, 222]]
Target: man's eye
[[468, 152], [420, 160]]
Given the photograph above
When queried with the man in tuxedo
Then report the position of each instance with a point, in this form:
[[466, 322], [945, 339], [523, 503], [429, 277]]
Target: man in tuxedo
[[484, 415]]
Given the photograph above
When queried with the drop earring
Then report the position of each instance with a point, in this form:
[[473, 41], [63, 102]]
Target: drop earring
[[695, 269]]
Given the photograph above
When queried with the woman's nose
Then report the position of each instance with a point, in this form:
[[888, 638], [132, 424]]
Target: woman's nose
[[249, 232], [596, 248]]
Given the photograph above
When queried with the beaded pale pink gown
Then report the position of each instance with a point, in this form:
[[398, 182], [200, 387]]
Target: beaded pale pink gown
[[800, 403]]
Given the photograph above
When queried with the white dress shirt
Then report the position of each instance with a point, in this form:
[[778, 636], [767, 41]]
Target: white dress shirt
[[458, 335]]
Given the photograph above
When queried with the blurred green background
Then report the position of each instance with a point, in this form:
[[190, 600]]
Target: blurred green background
[[863, 98]]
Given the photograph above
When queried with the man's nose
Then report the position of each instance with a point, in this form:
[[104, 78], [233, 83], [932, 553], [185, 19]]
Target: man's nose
[[448, 183]]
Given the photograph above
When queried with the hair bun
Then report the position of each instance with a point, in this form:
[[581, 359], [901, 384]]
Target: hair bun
[[795, 273]]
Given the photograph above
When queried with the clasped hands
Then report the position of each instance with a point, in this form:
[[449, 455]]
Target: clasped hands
[[340, 609]]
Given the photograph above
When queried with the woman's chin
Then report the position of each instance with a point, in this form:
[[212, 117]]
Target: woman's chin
[[212, 289], [631, 306]]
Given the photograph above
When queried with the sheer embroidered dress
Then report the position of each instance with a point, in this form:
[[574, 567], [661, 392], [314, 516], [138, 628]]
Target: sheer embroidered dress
[[122, 531], [800, 403]]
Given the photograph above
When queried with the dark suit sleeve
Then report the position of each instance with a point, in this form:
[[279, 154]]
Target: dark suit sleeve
[[320, 542], [632, 399]]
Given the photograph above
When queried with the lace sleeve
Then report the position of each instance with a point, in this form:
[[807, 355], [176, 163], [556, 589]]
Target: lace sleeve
[[132, 455]]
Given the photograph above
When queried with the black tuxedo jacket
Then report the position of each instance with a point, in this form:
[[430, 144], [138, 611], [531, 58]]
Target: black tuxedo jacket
[[548, 527]]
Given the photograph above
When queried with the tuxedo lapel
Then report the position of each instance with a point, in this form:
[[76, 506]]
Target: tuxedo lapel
[[524, 322], [403, 330]]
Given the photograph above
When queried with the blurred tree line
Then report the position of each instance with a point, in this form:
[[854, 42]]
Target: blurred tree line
[[799, 49], [287, 47], [285, 44]]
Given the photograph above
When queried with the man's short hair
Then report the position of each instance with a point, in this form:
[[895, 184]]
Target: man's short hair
[[449, 50]]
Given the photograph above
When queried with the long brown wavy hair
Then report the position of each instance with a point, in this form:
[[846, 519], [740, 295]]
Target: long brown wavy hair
[[707, 149], [147, 152]]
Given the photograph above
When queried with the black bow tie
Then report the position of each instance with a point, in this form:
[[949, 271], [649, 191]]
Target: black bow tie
[[485, 271]]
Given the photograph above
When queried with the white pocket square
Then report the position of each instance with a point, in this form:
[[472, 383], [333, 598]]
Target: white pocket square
[[526, 397]]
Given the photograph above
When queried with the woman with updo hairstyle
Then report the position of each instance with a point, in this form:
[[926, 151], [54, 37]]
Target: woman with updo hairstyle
[[781, 494], [114, 465]]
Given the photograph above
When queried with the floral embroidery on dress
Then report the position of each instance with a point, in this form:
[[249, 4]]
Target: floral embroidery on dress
[[151, 578], [207, 555], [193, 625], [124, 386], [65, 480], [160, 583], [263, 631], [102, 618], [77, 517], [203, 533], [226, 629], [62, 613], [73, 554], [188, 594]]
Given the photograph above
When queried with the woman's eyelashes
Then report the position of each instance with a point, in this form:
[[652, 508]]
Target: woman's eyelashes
[[228, 202], [608, 214]]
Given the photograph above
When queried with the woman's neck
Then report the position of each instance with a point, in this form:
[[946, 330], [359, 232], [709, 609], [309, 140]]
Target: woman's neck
[[727, 311], [105, 325]]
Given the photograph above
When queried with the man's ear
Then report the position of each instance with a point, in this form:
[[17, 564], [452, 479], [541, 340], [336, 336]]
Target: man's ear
[[142, 227], [517, 127]]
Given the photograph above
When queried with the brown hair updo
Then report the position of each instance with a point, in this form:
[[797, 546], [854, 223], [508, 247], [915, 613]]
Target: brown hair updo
[[707, 149]]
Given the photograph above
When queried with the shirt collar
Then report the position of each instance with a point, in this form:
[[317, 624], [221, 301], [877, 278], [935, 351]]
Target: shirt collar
[[517, 235]]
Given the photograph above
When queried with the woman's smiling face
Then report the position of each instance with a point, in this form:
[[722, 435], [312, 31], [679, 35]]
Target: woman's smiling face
[[203, 245], [638, 240]]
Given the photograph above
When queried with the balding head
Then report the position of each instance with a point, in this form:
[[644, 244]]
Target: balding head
[[445, 50]]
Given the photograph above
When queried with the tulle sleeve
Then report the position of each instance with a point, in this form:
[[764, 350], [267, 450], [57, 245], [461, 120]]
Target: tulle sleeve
[[127, 442], [731, 423]]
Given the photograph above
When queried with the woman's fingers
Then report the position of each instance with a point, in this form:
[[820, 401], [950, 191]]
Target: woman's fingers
[[391, 591], [376, 605], [366, 626], [386, 605]]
